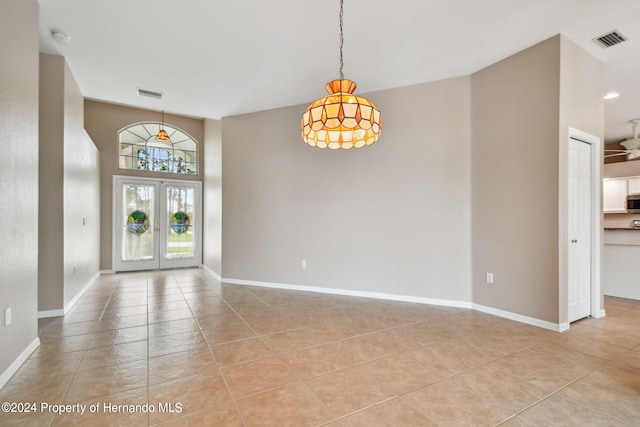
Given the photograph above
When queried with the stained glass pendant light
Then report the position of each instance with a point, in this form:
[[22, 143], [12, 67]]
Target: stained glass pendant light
[[162, 135], [342, 119]]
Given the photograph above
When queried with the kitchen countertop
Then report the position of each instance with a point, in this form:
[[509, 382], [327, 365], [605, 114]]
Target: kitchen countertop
[[620, 228]]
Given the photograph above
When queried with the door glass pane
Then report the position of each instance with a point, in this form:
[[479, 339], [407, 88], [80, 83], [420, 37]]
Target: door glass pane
[[139, 220], [180, 220]]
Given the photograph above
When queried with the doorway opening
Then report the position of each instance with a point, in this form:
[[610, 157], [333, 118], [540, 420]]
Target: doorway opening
[[157, 223], [583, 223]]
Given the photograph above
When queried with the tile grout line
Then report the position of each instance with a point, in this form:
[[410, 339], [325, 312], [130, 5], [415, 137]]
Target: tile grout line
[[551, 340], [416, 409], [515, 376], [148, 354], [224, 379], [570, 383], [441, 339], [84, 351], [304, 384], [341, 417]]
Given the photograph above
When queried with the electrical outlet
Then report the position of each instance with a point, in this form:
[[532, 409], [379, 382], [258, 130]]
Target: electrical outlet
[[489, 277], [303, 264], [7, 317]]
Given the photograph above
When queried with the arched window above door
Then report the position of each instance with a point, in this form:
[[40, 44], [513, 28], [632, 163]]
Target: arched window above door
[[139, 150]]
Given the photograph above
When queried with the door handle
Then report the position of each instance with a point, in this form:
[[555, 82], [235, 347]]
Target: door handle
[[574, 241]]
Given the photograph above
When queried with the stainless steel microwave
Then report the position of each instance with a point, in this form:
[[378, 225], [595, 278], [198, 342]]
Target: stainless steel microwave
[[633, 203]]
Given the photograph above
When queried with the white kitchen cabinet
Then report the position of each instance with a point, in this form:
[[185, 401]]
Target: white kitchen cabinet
[[614, 194], [633, 185]]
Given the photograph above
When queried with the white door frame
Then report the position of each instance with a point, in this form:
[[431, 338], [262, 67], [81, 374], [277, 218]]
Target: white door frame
[[597, 310], [142, 179]]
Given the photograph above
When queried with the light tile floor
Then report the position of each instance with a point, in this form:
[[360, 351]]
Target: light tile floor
[[200, 353]]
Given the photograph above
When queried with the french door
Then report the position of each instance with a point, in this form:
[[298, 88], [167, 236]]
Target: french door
[[157, 223]]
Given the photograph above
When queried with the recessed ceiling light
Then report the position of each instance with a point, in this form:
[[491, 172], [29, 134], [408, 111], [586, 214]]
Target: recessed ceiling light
[[60, 36], [611, 95]]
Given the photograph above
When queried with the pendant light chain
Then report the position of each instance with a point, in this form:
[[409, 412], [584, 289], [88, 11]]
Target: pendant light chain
[[342, 119], [341, 41]]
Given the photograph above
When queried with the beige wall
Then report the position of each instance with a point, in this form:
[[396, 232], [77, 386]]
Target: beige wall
[[515, 122], [619, 220], [393, 217], [621, 169], [69, 211], [212, 197], [51, 184], [581, 108], [522, 109], [81, 195], [18, 179], [102, 122]]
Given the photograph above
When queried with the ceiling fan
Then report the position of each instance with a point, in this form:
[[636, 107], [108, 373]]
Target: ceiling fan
[[632, 145]]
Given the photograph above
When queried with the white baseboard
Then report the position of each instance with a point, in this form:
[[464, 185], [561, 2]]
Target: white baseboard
[[79, 295], [50, 313], [103, 272], [13, 368], [56, 313], [563, 327], [406, 298], [519, 318], [337, 291], [213, 273], [566, 325]]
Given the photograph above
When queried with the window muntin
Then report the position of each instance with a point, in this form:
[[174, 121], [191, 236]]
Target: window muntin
[[138, 149]]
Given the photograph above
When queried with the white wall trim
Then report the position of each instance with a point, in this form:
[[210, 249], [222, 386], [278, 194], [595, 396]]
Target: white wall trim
[[104, 272], [79, 295], [60, 312], [50, 313], [348, 292], [114, 222], [406, 298], [519, 318], [213, 273], [13, 368]]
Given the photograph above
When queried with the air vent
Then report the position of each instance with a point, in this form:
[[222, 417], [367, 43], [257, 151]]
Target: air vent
[[610, 39], [149, 93]]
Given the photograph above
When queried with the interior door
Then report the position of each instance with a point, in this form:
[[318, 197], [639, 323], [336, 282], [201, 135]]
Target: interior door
[[157, 224], [579, 211]]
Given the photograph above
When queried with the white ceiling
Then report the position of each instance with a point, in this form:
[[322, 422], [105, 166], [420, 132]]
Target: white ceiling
[[216, 58]]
